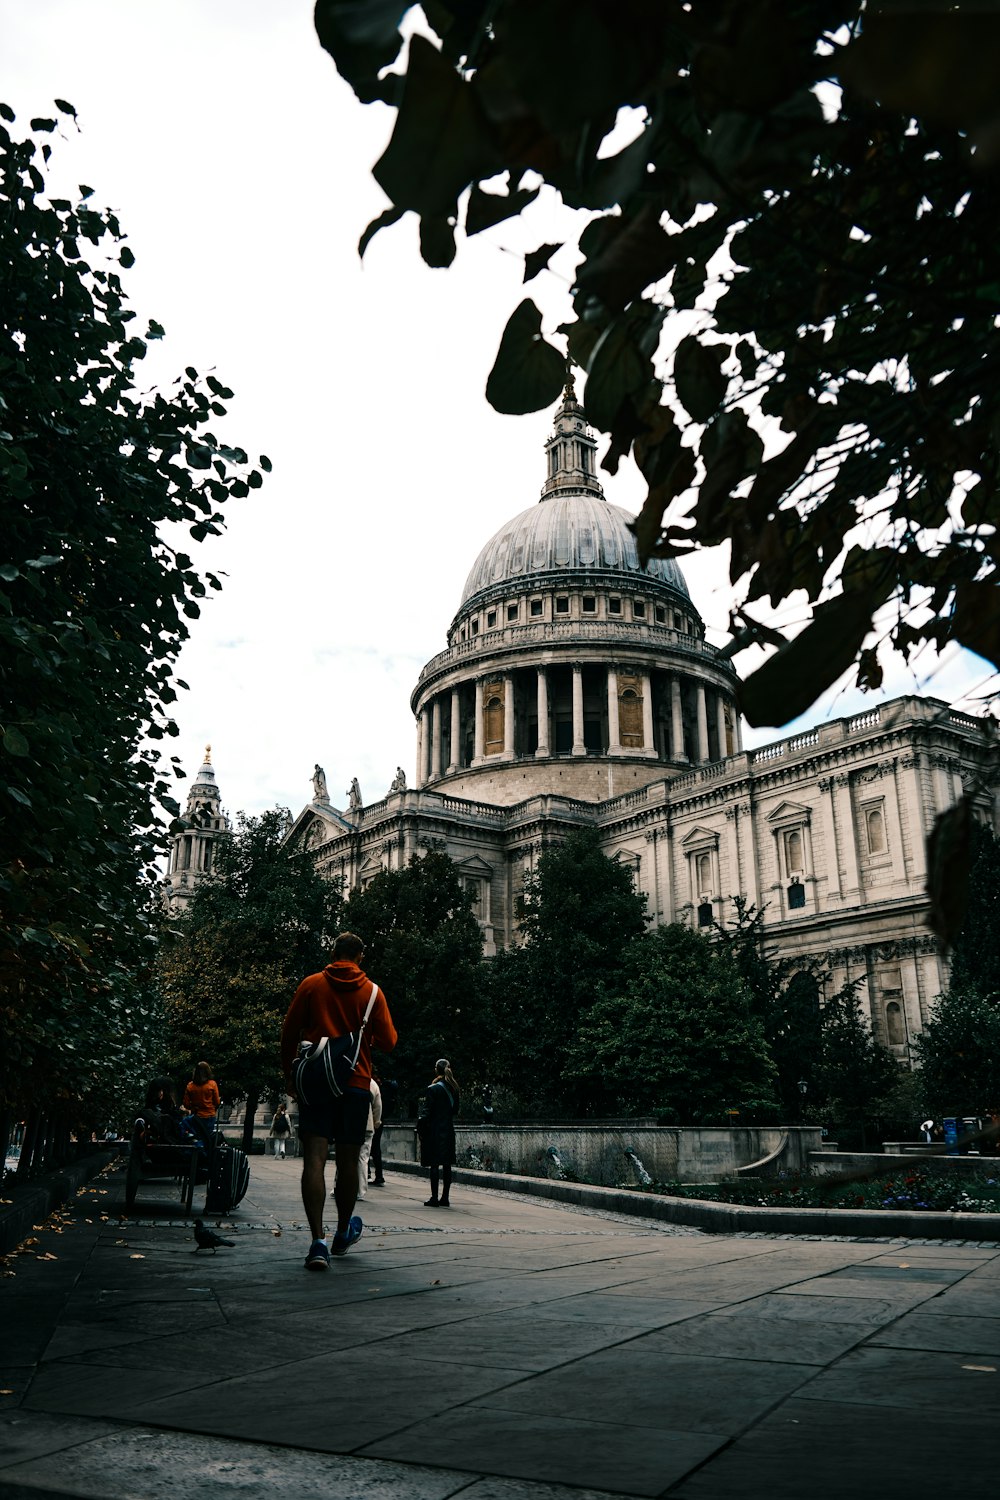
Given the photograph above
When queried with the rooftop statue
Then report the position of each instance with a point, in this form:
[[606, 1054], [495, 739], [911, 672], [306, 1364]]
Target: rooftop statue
[[354, 794], [320, 793]]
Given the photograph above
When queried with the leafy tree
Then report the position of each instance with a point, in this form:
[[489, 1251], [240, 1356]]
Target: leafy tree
[[785, 997], [578, 912], [95, 603], [975, 962], [424, 947], [812, 187], [855, 1076], [230, 964], [959, 1054], [672, 1032]]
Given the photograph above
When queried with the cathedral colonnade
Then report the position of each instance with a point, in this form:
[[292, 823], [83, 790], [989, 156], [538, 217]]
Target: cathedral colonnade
[[571, 709]]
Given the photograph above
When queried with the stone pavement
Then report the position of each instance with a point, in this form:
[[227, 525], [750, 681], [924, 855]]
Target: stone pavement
[[505, 1349]]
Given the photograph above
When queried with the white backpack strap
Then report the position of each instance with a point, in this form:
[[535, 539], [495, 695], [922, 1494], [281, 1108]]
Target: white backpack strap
[[371, 1001]]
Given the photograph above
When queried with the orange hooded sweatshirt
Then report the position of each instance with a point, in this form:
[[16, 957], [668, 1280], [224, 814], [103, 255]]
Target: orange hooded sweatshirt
[[332, 1003]]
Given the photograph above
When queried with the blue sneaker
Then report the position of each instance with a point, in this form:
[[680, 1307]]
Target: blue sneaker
[[341, 1243], [318, 1258]]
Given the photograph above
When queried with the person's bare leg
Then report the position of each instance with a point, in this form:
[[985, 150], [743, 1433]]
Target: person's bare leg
[[345, 1192], [314, 1152]]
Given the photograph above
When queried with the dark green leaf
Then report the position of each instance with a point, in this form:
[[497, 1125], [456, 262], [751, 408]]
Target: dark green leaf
[[486, 209], [439, 143], [385, 218], [528, 373], [198, 456], [537, 260], [437, 241], [698, 379], [14, 742]]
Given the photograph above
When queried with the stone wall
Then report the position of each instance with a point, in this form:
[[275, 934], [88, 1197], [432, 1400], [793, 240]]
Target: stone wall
[[618, 1155]]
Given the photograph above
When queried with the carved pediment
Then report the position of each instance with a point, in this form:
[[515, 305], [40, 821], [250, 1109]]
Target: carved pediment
[[700, 837], [475, 867], [789, 812]]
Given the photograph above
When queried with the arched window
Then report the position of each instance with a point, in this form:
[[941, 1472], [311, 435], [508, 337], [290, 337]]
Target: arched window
[[703, 870], [875, 824], [894, 1028], [793, 851], [630, 718], [493, 717]]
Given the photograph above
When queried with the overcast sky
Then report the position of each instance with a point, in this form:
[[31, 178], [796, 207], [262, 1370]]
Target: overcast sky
[[240, 167]]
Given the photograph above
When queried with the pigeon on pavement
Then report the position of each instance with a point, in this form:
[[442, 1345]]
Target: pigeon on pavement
[[208, 1239]]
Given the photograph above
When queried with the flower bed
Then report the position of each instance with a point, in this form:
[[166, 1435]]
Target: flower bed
[[913, 1189]]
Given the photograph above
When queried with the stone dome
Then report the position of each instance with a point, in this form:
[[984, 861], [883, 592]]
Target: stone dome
[[566, 533]]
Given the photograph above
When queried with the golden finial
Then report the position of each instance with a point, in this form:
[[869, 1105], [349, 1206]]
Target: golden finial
[[208, 755]]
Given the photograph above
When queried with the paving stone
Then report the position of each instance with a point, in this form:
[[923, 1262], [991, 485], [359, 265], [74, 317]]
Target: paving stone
[[894, 1378], [642, 1383], [829, 1452], [960, 1335], [622, 1458]]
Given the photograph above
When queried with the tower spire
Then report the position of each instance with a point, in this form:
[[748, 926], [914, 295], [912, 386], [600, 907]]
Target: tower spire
[[571, 450]]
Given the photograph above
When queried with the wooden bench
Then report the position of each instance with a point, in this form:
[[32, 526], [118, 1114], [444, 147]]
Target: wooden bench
[[152, 1162]]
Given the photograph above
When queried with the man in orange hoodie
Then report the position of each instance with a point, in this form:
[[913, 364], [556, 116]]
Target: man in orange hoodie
[[332, 1003]]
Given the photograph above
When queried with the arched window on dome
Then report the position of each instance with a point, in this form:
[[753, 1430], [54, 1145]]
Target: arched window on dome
[[629, 713], [493, 718]]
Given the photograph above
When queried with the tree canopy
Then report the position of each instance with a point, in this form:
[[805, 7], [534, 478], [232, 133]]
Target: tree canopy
[[229, 966], [578, 911], [672, 1033], [95, 603], [788, 287], [423, 947]]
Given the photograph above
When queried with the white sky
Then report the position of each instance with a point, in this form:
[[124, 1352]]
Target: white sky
[[239, 164]]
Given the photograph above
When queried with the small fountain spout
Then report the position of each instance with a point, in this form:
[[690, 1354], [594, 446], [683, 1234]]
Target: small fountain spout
[[556, 1160], [641, 1173]]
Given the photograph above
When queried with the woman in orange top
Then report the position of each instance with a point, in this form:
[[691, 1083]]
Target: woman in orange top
[[201, 1098]]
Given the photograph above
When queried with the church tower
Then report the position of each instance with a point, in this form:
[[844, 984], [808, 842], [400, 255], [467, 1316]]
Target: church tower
[[192, 849]]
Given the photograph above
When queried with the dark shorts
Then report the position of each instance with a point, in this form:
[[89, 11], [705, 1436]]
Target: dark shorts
[[344, 1120]]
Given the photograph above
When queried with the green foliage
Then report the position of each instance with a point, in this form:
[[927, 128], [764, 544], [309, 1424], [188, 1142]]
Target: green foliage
[[912, 1187], [230, 965], [578, 912], [672, 1033], [959, 1055], [424, 948], [975, 962], [816, 185], [855, 1076], [785, 997], [94, 606]]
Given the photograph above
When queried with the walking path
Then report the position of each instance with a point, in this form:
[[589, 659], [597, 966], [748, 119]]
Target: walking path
[[507, 1348]]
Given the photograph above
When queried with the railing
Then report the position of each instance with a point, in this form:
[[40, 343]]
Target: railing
[[548, 632]]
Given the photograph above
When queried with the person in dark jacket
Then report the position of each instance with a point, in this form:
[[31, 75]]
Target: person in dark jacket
[[437, 1132]]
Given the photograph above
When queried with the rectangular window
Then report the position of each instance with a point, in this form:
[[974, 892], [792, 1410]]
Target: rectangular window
[[491, 619], [638, 609], [562, 605], [589, 604], [474, 627], [614, 606], [536, 607], [512, 611], [661, 615]]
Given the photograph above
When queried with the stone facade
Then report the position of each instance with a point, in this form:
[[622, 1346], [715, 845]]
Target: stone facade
[[578, 690], [192, 849]]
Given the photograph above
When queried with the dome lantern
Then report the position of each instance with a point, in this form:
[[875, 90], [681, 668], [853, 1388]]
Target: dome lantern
[[571, 451]]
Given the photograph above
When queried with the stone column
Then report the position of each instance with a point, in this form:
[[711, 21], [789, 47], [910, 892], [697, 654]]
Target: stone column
[[543, 712], [420, 749], [477, 744], [720, 723], [436, 738], [738, 728], [676, 721], [579, 748], [702, 724], [455, 753], [508, 717], [614, 733], [648, 741]]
